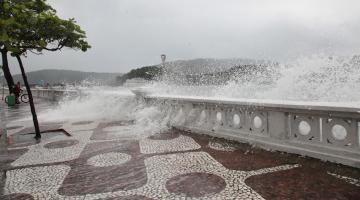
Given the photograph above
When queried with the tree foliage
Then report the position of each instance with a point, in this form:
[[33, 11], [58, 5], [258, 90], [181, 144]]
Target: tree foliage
[[32, 25], [147, 73]]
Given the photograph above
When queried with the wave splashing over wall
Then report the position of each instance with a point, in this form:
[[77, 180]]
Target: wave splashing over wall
[[106, 104], [318, 78], [321, 79]]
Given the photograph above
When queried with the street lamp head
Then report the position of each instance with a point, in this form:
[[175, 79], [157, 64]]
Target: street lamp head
[[163, 57]]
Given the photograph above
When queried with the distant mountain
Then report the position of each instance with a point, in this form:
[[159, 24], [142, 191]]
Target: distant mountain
[[54, 76], [207, 65], [200, 71]]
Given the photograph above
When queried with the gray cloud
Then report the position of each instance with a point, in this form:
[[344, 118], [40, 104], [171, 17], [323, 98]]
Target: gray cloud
[[130, 33]]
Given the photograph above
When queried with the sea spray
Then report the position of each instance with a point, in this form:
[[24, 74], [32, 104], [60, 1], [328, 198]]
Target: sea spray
[[107, 104], [318, 78]]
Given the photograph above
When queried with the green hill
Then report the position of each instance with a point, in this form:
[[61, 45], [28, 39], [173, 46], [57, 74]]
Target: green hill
[[54, 76]]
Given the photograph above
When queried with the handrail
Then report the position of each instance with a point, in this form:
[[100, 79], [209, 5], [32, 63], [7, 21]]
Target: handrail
[[309, 106], [321, 131], [53, 94]]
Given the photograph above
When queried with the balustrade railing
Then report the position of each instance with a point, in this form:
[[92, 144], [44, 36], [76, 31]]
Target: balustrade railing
[[328, 133], [53, 94]]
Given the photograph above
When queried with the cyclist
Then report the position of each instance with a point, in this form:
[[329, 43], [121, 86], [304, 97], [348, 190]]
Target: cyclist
[[17, 92]]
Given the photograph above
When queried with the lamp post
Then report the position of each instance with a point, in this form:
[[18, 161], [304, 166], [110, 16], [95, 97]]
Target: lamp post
[[163, 59], [163, 71]]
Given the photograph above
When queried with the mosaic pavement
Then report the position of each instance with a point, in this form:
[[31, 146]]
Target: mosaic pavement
[[102, 160]]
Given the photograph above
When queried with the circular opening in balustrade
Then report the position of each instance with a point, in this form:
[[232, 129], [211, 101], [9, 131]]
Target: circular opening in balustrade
[[339, 132], [257, 122], [218, 116], [236, 120], [304, 128]]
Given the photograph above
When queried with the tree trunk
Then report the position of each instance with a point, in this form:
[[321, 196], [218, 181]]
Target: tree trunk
[[31, 101], [6, 70]]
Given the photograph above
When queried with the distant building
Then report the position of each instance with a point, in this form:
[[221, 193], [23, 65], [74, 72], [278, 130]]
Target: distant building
[[135, 82], [40, 83]]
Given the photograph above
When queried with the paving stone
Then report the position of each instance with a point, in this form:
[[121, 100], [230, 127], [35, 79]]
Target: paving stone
[[165, 136], [38, 181], [39, 154], [9, 156], [221, 146], [181, 143], [17, 197], [242, 156], [100, 161], [196, 184], [100, 132], [128, 173], [108, 159], [303, 183], [61, 144]]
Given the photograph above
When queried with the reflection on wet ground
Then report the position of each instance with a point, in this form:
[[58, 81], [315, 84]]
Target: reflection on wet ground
[[20, 111]]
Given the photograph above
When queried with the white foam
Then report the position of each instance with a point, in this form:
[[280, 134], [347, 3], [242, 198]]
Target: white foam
[[318, 79]]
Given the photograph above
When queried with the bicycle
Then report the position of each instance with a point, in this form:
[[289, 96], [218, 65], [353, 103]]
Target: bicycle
[[24, 98]]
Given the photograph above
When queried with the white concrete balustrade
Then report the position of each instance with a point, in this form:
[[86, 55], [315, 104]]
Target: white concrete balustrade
[[53, 94], [48, 94], [327, 133]]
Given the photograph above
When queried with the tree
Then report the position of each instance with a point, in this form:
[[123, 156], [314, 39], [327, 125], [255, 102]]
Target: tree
[[2, 84], [33, 26], [4, 26], [148, 73]]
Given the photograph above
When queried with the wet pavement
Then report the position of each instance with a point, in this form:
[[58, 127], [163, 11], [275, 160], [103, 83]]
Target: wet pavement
[[22, 110], [99, 161]]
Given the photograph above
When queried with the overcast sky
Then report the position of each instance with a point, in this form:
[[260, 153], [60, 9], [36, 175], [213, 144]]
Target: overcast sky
[[126, 34]]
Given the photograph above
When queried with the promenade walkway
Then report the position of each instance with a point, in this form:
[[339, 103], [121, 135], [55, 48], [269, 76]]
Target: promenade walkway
[[104, 160]]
